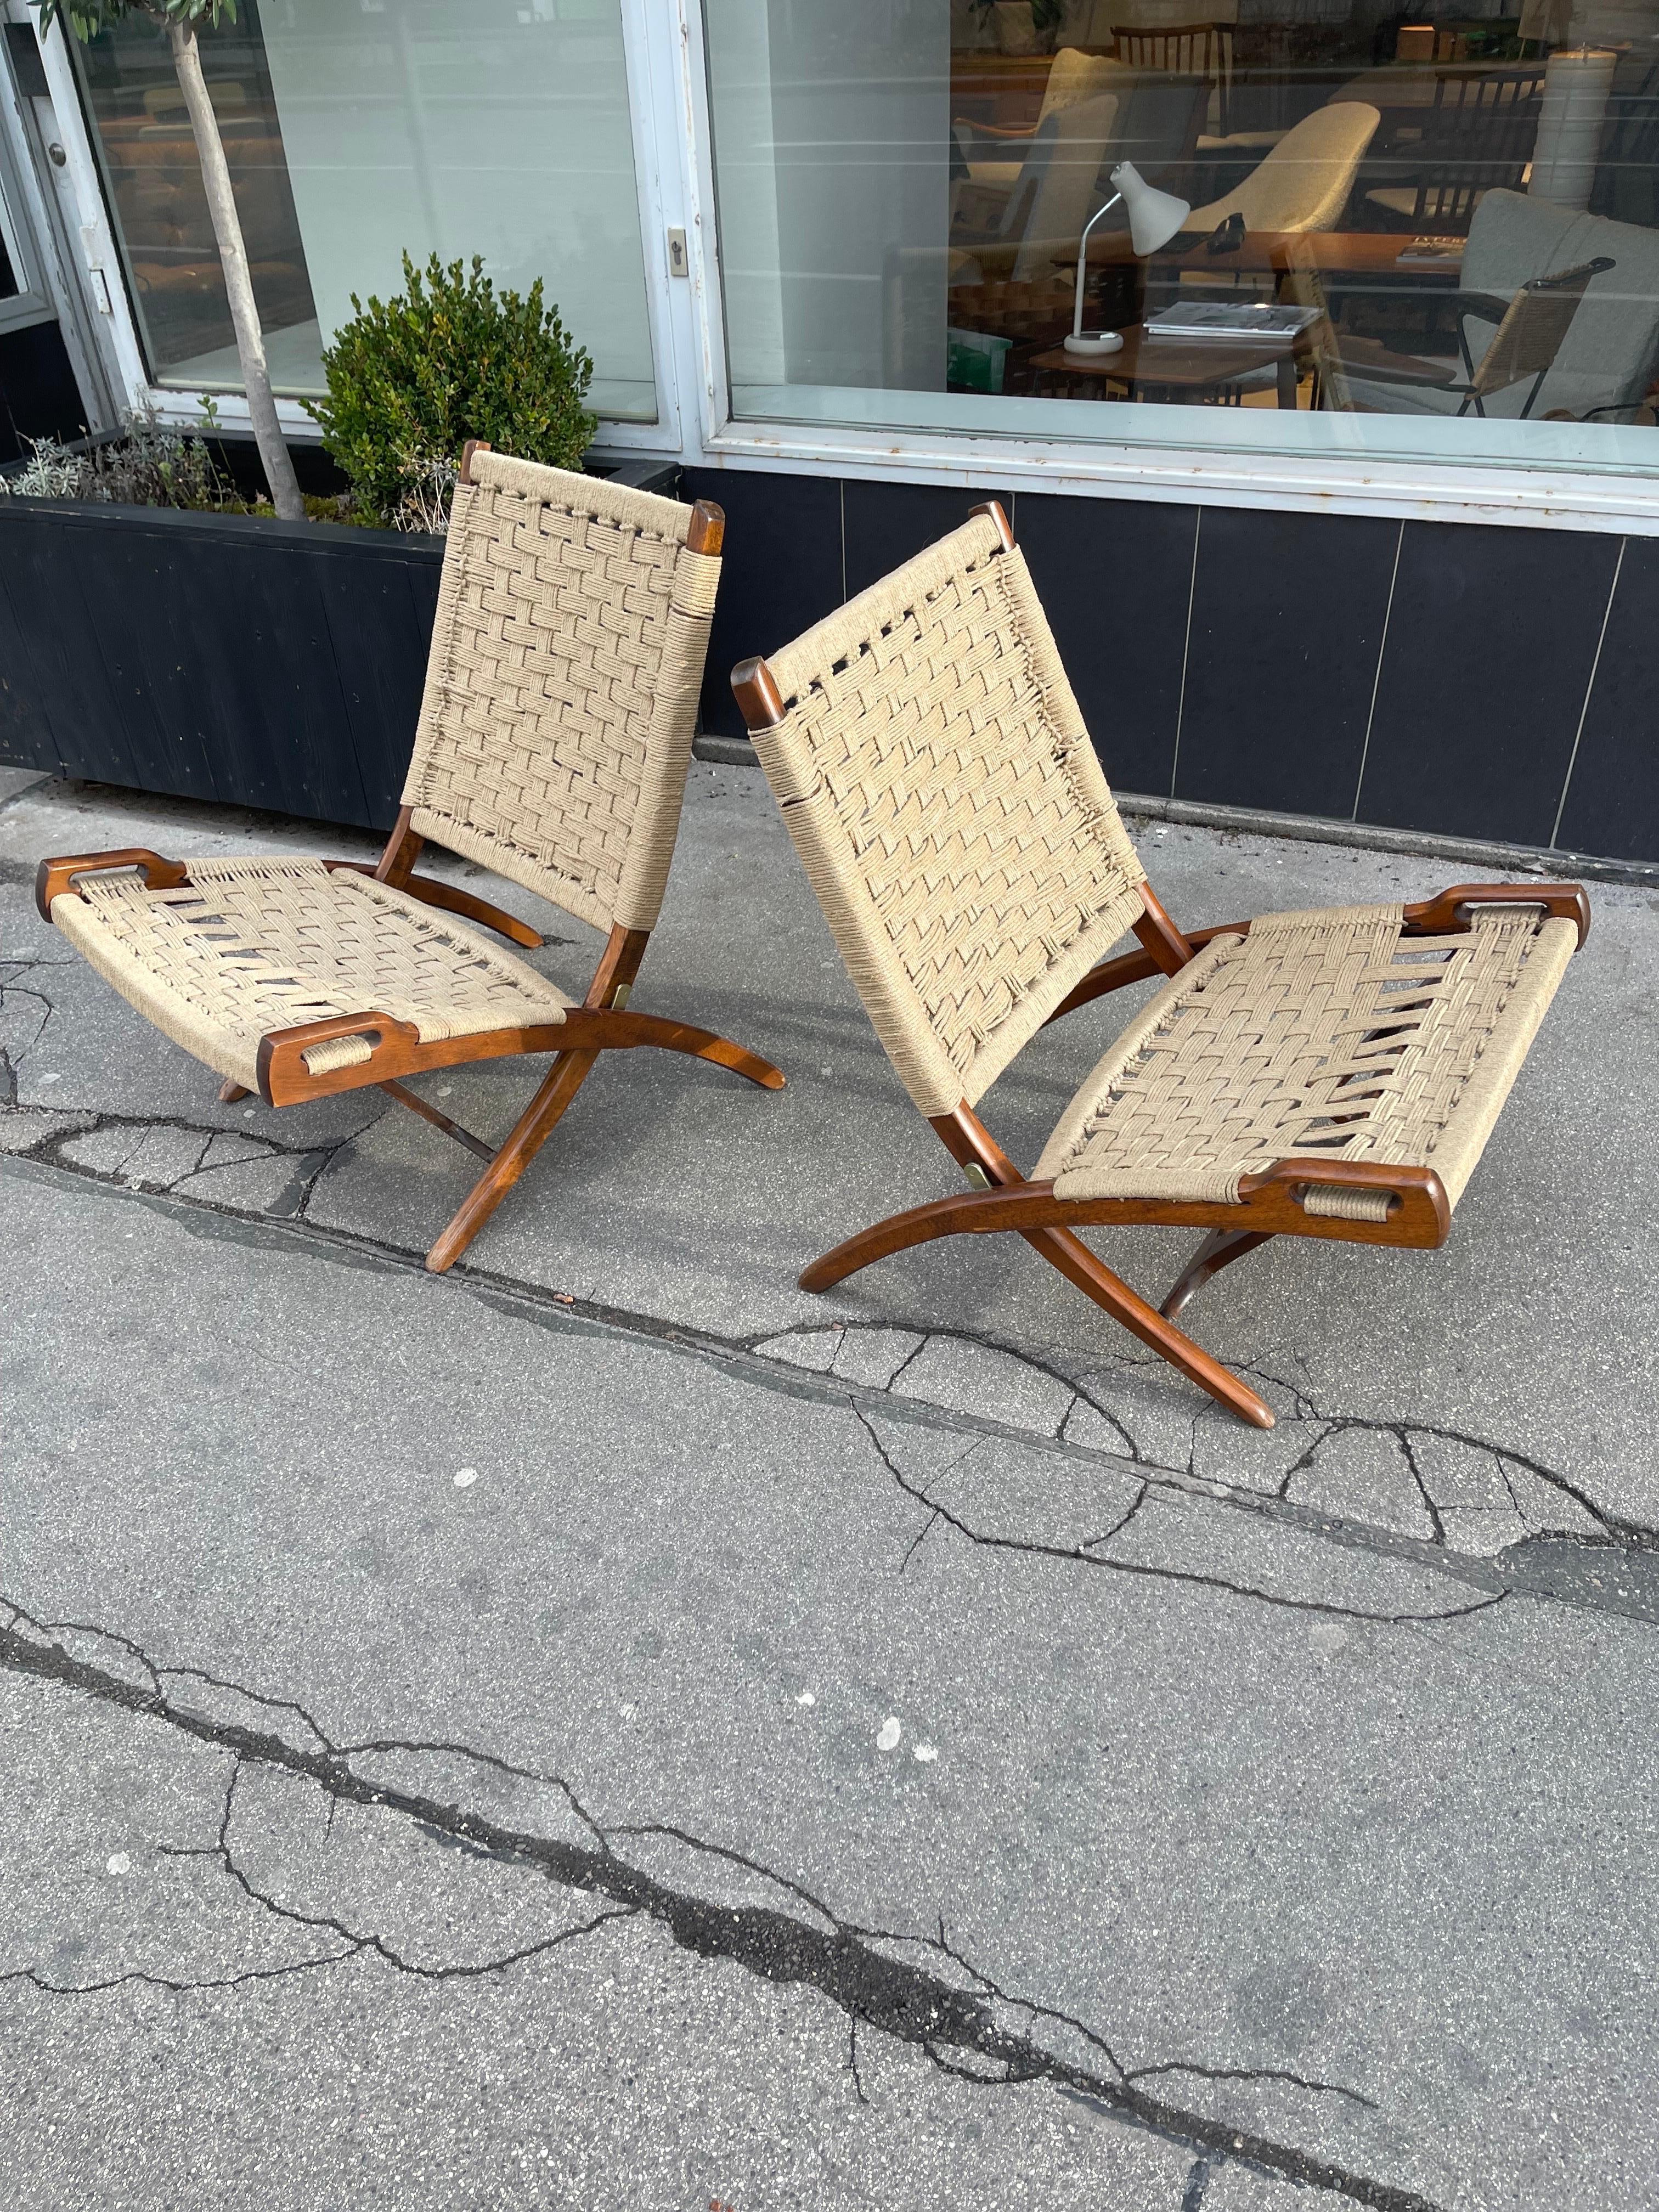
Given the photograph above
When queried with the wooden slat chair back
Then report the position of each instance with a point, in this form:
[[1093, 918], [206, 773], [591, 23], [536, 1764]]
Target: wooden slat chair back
[[554, 739], [1330, 1074], [1478, 138], [1185, 49]]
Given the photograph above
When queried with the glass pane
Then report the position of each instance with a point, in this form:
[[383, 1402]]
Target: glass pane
[[356, 129], [11, 281], [1354, 227]]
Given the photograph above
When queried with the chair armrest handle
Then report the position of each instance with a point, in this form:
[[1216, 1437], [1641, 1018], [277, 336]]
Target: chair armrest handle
[[53, 877], [284, 1078], [1450, 912], [1422, 1213]]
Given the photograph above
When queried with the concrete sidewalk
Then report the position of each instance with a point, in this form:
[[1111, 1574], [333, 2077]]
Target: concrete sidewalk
[[816, 1711]]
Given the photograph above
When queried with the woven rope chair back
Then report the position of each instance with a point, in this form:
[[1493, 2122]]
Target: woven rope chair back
[[940, 787], [1527, 341], [562, 692]]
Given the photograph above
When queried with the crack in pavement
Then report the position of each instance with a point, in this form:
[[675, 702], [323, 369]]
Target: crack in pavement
[[1084, 1555], [1251, 2073], [312, 1161], [981, 2034], [1198, 2182], [1581, 1570], [1585, 1521], [1406, 1434], [138, 1977], [355, 1940]]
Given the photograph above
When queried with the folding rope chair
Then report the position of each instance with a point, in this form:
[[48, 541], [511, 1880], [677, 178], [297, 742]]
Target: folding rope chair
[[1332, 1073], [553, 743]]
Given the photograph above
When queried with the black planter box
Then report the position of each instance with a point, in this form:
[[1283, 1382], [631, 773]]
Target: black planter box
[[229, 658]]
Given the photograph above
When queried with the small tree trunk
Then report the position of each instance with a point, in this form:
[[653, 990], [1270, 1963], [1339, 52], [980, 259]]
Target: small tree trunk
[[239, 285]]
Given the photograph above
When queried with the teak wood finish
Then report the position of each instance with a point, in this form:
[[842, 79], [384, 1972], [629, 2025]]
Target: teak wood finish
[[1270, 1204], [603, 1022]]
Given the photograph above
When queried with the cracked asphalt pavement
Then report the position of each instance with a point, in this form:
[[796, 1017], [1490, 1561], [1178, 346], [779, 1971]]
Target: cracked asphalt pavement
[[604, 1727]]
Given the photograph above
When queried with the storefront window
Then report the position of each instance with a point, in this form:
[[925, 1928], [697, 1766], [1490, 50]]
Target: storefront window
[[1455, 213], [356, 129]]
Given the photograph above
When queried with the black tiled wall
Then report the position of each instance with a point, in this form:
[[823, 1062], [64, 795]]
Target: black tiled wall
[[883, 524], [1288, 615], [780, 571], [1116, 579], [1474, 680], [1491, 639], [1613, 799]]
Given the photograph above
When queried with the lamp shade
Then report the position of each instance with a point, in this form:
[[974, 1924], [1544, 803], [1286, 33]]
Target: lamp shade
[[1154, 216]]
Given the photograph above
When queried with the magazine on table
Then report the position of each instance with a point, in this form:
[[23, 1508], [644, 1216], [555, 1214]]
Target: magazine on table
[[1428, 251], [1257, 322]]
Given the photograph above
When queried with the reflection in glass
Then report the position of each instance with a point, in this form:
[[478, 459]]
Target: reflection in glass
[[356, 129], [1460, 210], [155, 185]]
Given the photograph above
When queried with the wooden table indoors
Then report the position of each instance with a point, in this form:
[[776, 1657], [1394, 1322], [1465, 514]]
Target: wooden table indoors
[[1160, 368]]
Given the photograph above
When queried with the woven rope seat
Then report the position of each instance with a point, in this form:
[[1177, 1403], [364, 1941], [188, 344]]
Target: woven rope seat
[[1334, 1073], [247, 946], [1325, 1033]]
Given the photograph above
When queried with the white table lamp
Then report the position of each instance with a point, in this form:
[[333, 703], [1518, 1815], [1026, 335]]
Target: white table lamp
[[1154, 219]]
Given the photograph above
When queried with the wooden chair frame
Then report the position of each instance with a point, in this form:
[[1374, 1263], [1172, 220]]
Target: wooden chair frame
[[1184, 50], [1270, 1204], [1477, 138], [603, 1022]]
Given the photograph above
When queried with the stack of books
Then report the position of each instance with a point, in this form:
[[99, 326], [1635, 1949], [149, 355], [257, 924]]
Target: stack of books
[[1243, 322]]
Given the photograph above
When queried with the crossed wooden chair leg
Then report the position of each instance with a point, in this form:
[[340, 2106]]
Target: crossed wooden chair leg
[[1269, 1204], [603, 1022], [505, 1162], [569, 1070], [1007, 1200], [609, 992]]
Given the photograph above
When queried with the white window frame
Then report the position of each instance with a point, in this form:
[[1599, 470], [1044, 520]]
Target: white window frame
[[674, 154], [1331, 483], [32, 301]]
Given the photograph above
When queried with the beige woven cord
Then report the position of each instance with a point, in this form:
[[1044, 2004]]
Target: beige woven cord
[[1327, 1033], [936, 777], [561, 695], [250, 945]]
